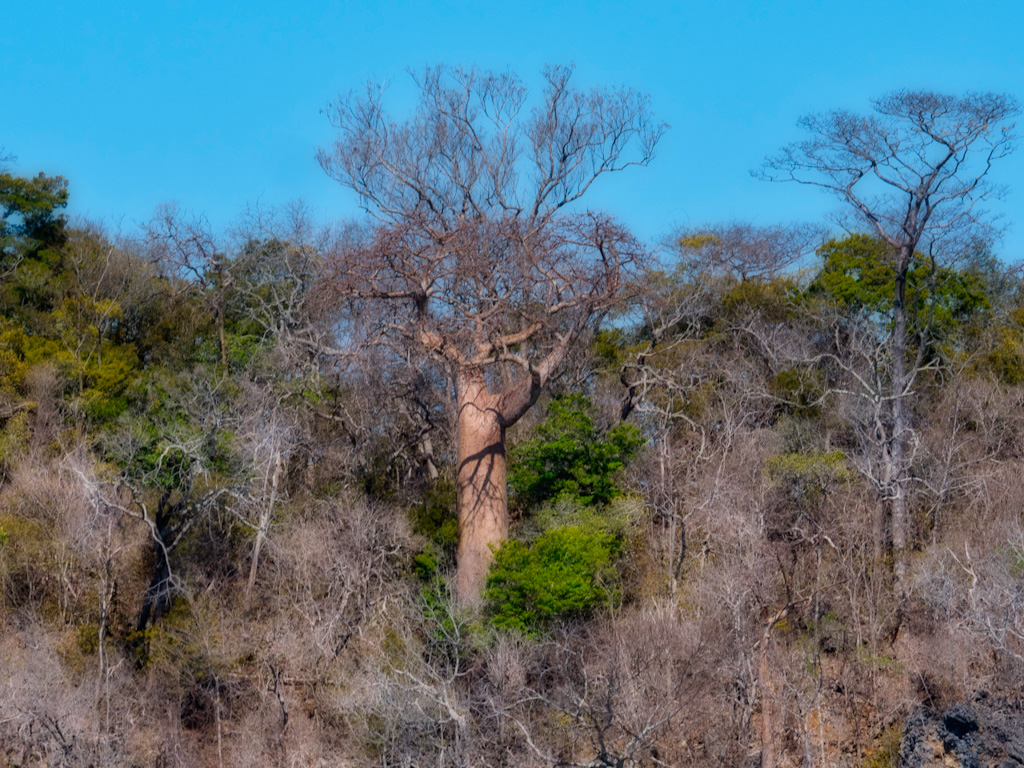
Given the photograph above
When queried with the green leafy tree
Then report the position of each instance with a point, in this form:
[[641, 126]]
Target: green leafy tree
[[30, 217], [858, 274], [570, 458], [914, 173]]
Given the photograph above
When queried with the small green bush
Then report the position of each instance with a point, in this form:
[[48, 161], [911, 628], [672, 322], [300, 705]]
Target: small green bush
[[436, 518], [808, 475], [14, 439], [437, 521], [797, 390], [886, 751], [570, 458], [564, 573]]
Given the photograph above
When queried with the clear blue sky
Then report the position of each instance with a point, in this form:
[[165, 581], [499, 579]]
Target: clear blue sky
[[218, 105]]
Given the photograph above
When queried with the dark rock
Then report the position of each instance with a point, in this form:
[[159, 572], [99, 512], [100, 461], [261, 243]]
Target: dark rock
[[987, 733], [960, 720]]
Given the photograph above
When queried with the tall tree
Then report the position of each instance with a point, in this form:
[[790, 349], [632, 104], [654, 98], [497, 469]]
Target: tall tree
[[477, 256], [914, 173]]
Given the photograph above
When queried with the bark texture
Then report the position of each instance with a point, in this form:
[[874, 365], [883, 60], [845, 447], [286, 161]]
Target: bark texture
[[482, 490]]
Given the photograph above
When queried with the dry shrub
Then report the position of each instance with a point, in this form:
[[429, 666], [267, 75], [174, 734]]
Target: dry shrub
[[975, 591], [615, 693], [409, 703], [335, 571], [49, 716], [44, 563]]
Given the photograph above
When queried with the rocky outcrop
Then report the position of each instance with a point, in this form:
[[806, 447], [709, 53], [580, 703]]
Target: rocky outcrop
[[984, 733]]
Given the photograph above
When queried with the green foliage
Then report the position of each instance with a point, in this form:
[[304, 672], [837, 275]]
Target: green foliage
[[807, 477], [29, 212], [436, 517], [858, 273], [437, 520], [886, 751], [565, 573], [87, 637], [614, 518], [611, 346], [771, 299], [797, 389], [570, 458], [13, 442], [698, 240], [813, 468], [27, 574], [566, 476], [818, 467], [1005, 358]]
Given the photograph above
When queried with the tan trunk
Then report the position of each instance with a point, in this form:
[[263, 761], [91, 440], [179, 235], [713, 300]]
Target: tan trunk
[[768, 714], [769, 694], [482, 493]]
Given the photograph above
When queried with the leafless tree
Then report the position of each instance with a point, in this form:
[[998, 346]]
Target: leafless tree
[[914, 174], [477, 256], [336, 572], [620, 693], [276, 258], [268, 437], [187, 249], [745, 251]]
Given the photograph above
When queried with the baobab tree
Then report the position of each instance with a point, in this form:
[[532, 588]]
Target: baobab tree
[[478, 253], [913, 174]]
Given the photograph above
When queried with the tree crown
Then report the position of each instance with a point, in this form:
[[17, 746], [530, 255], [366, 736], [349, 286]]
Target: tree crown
[[914, 171], [473, 246]]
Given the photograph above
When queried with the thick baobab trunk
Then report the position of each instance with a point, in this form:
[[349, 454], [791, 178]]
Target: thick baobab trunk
[[482, 492]]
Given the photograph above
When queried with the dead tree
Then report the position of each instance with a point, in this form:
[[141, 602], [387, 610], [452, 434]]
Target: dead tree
[[914, 174], [476, 255]]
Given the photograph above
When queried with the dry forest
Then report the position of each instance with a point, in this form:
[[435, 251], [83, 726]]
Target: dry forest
[[480, 478]]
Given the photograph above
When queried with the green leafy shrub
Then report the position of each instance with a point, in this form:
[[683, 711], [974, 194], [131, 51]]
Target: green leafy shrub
[[798, 390], [1005, 358], [437, 521], [14, 438], [28, 576], [772, 299], [570, 458], [436, 518], [564, 573], [886, 751], [812, 467]]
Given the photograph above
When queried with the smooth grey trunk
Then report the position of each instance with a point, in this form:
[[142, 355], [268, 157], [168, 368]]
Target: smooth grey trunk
[[427, 452], [895, 493], [106, 597], [266, 516]]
